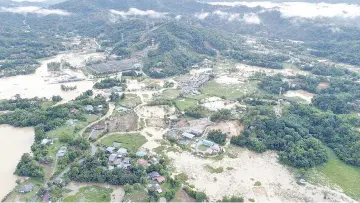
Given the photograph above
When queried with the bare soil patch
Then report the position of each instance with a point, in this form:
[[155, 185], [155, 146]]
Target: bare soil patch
[[322, 85], [305, 95], [232, 128], [123, 123], [277, 182]]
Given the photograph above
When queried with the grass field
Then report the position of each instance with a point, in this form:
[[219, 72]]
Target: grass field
[[337, 173], [91, 194], [185, 103], [170, 94], [136, 196], [130, 101], [213, 88], [131, 142]]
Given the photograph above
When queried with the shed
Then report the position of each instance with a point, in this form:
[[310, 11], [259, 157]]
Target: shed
[[116, 144], [196, 132], [62, 151], [110, 149], [46, 141], [98, 127], [216, 148], [156, 187], [160, 179], [89, 108], [142, 162], [117, 161], [112, 157], [153, 175], [188, 135], [207, 143], [141, 154], [122, 151], [26, 188]]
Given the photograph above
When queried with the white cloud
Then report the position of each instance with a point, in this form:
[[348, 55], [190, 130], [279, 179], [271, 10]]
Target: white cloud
[[251, 18], [34, 9], [137, 12], [178, 17], [227, 16], [202, 15], [303, 9]]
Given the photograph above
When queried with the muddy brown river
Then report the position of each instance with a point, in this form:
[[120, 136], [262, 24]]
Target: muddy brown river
[[14, 142]]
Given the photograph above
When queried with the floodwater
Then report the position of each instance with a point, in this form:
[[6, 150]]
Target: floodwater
[[39, 84], [14, 142]]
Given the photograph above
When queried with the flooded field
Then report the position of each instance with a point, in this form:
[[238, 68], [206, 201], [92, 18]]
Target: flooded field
[[15, 142], [39, 84]]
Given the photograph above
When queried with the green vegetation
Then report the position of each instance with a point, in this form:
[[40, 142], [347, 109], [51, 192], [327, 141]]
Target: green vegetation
[[94, 169], [337, 173], [217, 136], [108, 83], [222, 114], [170, 94], [257, 183], [91, 194], [232, 199], [29, 167], [53, 66], [130, 100], [213, 88], [185, 103], [198, 196], [136, 195], [131, 142], [213, 170]]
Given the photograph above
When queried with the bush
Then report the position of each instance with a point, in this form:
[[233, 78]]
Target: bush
[[217, 136]]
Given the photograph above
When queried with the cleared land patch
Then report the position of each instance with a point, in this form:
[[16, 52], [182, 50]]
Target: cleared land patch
[[131, 141], [91, 194]]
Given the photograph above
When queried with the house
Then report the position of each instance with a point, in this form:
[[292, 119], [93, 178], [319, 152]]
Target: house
[[70, 122], [110, 149], [141, 154], [142, 162], [188, 135], [122, 151], [126, 160], [100, 107], [196, 132], [207, 143], [153, 175], [26, 188], [116, 144], [154, 160], [46, 142], [160, 179], [118, 161], [89, 108], [124, 166], [73, 111], [62, 151], [117, 89], [215, 148], [156, 187], [112, 157], [98, 127]]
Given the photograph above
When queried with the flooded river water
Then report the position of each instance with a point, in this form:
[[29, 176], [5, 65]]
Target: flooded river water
[[14, 142], [39, 84]]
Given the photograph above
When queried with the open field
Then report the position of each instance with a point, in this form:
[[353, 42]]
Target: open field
[[336, 173], [131, 142], [247, 167], [91, 194], [170, 94], [130, 101], [213, 88], [183, 104]]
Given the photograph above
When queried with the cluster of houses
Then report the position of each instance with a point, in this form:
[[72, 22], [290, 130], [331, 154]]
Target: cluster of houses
[[118, 159], [91, 108]]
